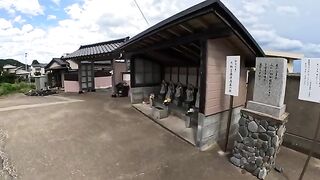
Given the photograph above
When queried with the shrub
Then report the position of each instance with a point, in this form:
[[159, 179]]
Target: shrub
[[7, 88]]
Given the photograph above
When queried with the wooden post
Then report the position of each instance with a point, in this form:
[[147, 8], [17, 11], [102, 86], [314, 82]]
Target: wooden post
[[92, 76], [311, 150], [229, 123], [113, 77], [80, 76]]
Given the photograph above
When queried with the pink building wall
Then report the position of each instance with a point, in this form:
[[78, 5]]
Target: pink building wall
[[103, 82], [118, 69], [216, 101], [71, 86]]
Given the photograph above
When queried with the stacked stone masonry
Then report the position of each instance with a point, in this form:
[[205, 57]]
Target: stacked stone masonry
[[256, 145]]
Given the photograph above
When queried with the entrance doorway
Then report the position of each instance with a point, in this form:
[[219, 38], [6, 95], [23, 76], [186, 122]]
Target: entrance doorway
[[86, 77]]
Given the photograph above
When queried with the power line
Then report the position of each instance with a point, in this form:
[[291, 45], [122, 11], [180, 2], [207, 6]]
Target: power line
[[141, 12]]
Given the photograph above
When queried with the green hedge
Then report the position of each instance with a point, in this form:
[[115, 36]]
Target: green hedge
[[7, 88]]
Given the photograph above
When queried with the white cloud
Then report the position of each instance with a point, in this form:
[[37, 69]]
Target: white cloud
[[51, 17], [91, 21], [251, 14], [5, 24], [19, 19], [288, 10], [271, 40], [27, 28], [30, 7], [57, 2], [256, 6], [74, 11], [88, 21]]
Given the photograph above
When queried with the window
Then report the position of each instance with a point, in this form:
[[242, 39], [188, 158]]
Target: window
[[147, 72]]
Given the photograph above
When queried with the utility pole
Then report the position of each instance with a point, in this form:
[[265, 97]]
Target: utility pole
[[25, 58]]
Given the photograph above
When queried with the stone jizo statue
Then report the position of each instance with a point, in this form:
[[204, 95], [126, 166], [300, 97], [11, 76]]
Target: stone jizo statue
[[190, 93], [163, 90], [170, 91]]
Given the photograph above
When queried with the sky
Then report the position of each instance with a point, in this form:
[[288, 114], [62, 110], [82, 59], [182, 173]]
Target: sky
[[49, 28]]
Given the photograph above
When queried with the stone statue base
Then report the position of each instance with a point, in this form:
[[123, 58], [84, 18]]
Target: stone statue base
[[267, 109], [258, 141]]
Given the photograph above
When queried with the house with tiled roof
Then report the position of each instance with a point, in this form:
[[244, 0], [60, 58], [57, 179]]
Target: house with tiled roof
[[95, 66]]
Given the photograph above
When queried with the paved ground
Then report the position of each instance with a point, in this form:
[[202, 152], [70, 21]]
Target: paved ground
[[104, 138]]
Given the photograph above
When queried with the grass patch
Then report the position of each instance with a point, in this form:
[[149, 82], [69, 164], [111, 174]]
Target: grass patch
[[22, 87]]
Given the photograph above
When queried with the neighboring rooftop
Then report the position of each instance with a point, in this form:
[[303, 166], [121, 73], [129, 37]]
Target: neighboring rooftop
[[287, 55], [101, 48], [56, 63], [39, 65], [8, 66], [21, 71]]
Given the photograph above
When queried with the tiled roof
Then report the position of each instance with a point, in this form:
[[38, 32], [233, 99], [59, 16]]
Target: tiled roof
[[8, 66], [97, 48], [59, 61], [42, 65]]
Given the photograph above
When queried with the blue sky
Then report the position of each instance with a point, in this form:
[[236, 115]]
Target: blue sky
[[50, 28]]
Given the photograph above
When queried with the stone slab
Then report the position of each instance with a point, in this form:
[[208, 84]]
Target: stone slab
[[270, 119], [267, 109], [270, 81]]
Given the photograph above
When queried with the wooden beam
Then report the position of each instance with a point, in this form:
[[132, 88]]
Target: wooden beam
[[195, 45], [186, 28], [189, 50], [234, 31], [214, 33], [173, 32], [164, 58], [192, 57], [203, 77], [203, 24]]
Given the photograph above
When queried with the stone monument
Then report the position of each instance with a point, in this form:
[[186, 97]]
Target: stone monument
[[269, 86], [262, 123]]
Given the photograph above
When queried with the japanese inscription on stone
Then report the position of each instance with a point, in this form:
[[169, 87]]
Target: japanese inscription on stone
[[270, 81], [232, 75], [310, 80]]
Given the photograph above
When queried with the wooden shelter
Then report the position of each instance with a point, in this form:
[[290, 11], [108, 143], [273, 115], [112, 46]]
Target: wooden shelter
[[191, 48]]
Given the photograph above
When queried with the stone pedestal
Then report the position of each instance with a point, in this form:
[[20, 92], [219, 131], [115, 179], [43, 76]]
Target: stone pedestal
[[262, 124], [258, 142], [275, 111]]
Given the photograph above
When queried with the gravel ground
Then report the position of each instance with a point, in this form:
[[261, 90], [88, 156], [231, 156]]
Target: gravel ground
[[93, 136]]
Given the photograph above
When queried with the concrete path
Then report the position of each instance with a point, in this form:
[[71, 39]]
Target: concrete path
[[104, 138]]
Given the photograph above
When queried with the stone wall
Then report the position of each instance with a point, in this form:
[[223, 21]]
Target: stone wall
[[212, 129], [257, 143], [138, 94]]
